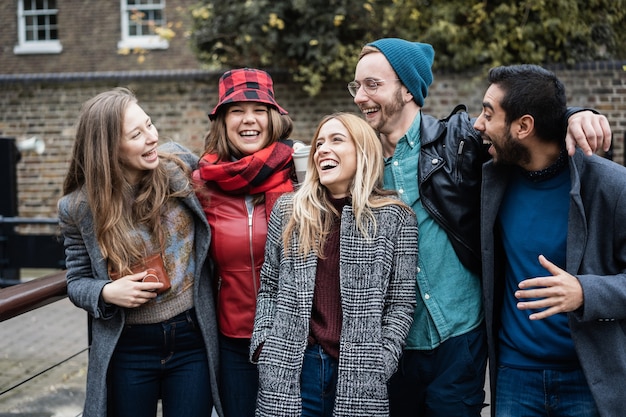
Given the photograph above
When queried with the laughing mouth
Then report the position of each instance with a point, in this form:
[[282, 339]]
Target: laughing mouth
[[328, 164], [149, 153], [369, 110]]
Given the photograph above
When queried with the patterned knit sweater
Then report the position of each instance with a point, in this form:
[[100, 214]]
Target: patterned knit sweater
[[179, 263]]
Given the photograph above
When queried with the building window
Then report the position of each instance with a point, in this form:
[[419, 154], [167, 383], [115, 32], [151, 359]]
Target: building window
[[139, 18], [38, 31]]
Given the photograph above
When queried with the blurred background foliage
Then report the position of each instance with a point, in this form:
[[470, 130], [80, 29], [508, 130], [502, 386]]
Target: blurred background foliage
[[318, 41]]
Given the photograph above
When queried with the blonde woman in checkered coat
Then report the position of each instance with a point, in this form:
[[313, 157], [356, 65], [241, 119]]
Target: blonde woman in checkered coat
[[338, 283]]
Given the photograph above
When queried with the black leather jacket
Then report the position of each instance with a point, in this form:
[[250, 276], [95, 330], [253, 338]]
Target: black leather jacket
[[449, 178]]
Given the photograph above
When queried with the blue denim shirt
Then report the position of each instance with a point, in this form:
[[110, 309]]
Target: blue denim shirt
[[449, 299]]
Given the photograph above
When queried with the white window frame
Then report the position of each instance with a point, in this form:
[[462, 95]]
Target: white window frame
[[151, 41], [24, 46]]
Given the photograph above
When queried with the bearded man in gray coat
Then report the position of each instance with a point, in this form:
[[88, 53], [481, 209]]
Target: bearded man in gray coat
[[554, 256]]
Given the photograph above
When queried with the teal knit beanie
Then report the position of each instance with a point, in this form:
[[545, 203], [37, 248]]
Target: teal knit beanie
[[412, 61]]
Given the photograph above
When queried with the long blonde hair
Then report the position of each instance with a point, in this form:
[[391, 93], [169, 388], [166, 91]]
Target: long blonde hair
[[312, 211], [118, 207]]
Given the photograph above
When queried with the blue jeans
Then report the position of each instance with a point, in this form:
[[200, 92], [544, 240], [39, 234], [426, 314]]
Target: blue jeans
[[446, 381], [536, 392], [165, 360], [239, 378], [318, 382]]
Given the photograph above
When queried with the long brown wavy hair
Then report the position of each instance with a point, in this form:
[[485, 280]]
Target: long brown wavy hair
[[118, 207]]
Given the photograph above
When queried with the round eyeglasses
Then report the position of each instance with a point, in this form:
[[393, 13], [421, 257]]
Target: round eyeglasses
[[370, 86]]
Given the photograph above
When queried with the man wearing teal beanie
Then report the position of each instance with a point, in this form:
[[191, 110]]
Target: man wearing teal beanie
[[435, 166], [412, 61]]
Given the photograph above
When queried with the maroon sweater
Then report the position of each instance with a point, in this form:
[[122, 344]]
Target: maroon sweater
[[325, 322]]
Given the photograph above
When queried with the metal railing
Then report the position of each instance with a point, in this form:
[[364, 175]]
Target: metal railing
[[27, 296]]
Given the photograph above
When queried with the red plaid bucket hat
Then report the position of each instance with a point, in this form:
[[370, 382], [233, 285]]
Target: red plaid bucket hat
[[246, 84]]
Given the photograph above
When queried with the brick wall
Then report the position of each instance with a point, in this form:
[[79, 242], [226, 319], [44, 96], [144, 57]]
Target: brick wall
[[178, 106], [89, 31]]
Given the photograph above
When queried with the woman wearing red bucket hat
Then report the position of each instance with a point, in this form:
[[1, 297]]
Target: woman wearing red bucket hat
[[247, 164]]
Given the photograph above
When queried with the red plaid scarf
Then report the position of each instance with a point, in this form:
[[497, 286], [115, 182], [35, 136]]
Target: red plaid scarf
[[266, 171]]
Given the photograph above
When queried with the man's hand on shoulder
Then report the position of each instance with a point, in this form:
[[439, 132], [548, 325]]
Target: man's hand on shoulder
[[589, 131]]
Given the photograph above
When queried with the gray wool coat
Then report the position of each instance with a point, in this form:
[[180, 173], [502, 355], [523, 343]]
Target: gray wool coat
[[87, 274], [596, 255], [377, 284]]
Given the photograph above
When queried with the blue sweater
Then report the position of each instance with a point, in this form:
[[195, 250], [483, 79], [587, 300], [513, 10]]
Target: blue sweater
[[533, 222], [596, 255]]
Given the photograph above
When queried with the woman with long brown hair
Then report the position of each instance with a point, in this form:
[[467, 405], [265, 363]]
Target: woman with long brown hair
[[136, 243]]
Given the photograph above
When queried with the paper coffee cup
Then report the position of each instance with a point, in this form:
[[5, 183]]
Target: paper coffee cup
[[300, 160]]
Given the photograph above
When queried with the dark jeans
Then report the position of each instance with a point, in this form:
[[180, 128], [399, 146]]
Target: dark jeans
[[446, 381], [164, 360], [319, 382], [239, 378], [537, 392]]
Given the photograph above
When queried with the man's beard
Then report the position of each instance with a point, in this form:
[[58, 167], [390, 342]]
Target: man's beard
[[510, 152], [389, 110]]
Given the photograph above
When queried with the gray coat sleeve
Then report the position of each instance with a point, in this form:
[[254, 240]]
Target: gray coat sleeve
[[86, 268]]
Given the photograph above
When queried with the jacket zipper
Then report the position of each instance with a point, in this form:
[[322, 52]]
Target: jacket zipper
[[252, 263], [459, 160]]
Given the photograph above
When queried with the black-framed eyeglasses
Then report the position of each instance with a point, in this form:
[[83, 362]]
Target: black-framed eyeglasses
[[370, 86]]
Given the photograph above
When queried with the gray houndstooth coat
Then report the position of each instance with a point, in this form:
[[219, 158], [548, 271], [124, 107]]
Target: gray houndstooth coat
[[377, 283]]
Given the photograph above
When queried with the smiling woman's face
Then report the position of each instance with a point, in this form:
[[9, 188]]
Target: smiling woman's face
[[139, 142], [335, 158], [247, 126]]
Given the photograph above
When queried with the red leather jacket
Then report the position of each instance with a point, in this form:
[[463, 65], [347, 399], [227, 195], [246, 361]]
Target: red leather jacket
[[237, 250]]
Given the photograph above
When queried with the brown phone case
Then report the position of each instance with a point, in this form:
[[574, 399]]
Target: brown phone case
[[156, 271]]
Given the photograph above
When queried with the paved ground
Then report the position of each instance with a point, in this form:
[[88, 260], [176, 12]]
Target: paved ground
[[50, 341], [33, 342]]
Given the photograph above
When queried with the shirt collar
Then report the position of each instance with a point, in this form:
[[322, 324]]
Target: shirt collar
[[412, 136], [552, 171]]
